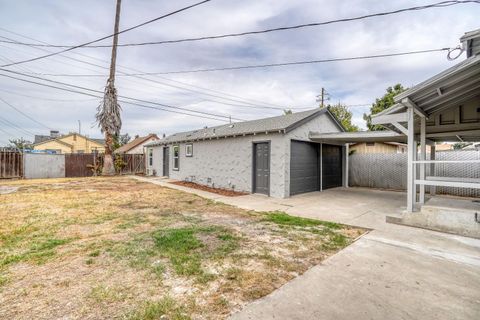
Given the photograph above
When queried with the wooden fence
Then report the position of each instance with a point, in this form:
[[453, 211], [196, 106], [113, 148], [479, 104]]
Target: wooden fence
[[84, 165], [81, 164], [76, 165], [11, 164], [133, 163]]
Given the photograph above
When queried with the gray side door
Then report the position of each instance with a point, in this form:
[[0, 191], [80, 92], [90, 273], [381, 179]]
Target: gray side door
[[261, 168], [332, 166], [304, 167], [166, 161]]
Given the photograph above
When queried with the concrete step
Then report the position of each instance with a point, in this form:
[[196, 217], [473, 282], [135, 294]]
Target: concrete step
[[451, 215]]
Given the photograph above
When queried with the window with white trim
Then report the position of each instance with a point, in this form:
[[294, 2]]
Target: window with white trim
[[176, 158], [189, 150], [150, 157]]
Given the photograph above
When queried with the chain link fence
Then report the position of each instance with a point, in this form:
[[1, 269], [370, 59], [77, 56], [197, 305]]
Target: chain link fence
[[389, 171]]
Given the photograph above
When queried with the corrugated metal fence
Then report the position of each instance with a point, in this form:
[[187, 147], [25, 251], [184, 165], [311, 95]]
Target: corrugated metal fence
[[389, 171]]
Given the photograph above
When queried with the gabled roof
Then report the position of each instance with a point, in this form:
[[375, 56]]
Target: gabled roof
[[135, 142], [59, 139], [277, 124]]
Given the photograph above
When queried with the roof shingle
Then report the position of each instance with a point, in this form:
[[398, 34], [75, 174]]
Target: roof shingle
[[279, 123]]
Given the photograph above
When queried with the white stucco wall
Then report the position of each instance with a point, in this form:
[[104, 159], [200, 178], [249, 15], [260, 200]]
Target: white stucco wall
[[228, 162]]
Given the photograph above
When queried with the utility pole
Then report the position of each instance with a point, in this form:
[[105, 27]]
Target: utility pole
[[79, 127], [115, 42], [322, 97]]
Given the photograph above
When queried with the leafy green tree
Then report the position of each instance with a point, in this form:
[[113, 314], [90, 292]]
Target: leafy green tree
[[381, 104], [344, 116], [460, 145], [120, 139], [20, 144], [287, 111]]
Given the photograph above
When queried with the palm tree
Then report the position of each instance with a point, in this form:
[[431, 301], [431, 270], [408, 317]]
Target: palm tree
[[108, 112]]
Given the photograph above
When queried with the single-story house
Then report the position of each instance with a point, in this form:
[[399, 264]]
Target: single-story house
[[378, 147], [272, 156], [137, 145], [69, 143]]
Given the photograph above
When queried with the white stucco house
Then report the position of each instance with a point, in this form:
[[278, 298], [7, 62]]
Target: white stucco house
[[272, 156], [137, 145]]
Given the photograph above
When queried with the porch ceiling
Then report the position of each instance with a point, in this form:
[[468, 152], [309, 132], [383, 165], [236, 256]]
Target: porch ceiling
[[362, 136], [446, 90]]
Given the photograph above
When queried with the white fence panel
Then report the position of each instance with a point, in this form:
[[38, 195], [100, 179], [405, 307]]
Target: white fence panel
[[39, 166]]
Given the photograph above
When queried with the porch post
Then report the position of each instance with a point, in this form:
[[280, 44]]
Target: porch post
[[321, 167], [410, 156], [345, 184], [432, 168], [423, 150]]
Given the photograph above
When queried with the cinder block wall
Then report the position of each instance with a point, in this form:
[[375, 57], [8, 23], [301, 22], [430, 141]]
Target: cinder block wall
[[227, 163]]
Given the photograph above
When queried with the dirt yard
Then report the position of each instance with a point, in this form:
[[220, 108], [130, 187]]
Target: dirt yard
[[103, 248]]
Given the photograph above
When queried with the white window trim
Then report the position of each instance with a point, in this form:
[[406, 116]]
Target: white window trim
[[189, 154], [150, 157], [177, 157]]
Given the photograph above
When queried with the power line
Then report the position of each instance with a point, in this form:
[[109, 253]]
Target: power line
[[259, 105], [123, 101], [120, 96], [441, 4], [43, 98], [8, 133], [15, 126], [268, 65], [24, 114], [252, 102], [111, 35]]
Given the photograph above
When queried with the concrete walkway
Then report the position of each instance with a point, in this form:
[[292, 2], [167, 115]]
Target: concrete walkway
[[393, 272]]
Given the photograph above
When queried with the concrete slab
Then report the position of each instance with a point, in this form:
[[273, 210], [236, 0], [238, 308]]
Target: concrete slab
[[374, 279], [393, 272]]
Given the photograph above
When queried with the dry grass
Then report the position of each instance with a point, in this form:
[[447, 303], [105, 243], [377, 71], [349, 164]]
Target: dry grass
[[98, 248]]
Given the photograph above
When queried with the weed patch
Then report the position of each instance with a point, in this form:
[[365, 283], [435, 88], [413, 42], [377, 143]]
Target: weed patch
[[153, 310], [281, 218]]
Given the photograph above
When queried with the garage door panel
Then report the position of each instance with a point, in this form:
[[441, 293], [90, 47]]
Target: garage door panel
[[304, 167], [332, 166]]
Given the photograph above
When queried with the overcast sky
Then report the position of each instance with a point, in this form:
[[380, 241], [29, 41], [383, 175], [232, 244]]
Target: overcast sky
[[350, 82]]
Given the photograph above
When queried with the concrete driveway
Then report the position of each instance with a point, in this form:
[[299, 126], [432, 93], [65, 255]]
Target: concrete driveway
[[393, 272]]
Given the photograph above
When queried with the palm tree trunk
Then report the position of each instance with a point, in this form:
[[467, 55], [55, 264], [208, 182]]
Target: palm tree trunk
[[111, 96], [108, 166]]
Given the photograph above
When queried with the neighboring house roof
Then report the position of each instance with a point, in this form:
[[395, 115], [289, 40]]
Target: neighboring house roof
[[100, 141], [41, 138], [59, 139], [135, 143], [283, 123]]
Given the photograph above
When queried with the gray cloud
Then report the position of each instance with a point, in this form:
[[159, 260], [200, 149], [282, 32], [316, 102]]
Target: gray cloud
[[68, 22]]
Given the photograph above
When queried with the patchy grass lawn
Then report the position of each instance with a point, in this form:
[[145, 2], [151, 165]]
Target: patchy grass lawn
[[102, 248]]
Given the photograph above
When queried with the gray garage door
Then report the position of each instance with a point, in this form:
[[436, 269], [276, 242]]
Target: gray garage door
[[331, 166], [304, 167]]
